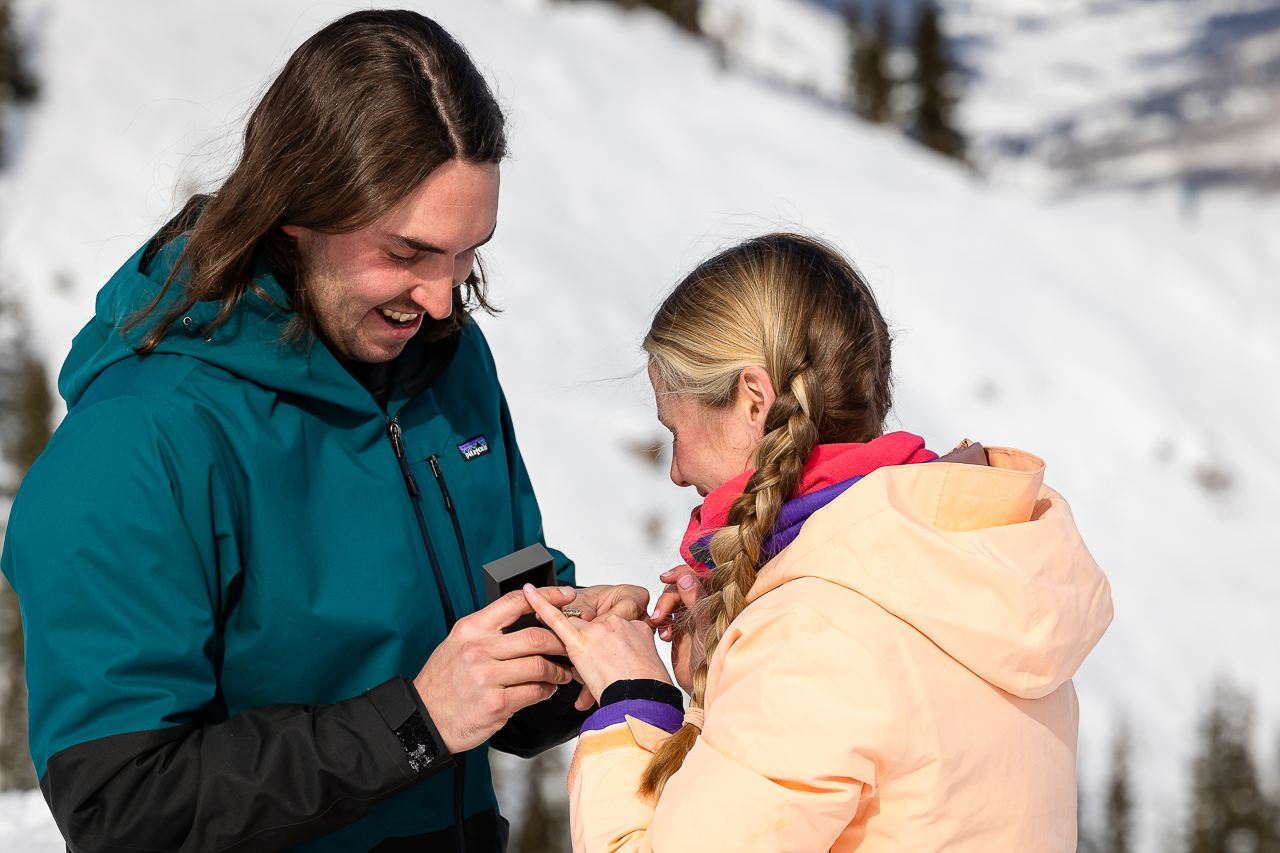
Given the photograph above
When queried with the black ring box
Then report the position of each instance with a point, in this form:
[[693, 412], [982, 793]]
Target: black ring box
[[533, 565]]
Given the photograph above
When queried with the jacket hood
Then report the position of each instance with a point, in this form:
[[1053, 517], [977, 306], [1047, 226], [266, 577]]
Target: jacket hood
[[249, 345], [983, 559]]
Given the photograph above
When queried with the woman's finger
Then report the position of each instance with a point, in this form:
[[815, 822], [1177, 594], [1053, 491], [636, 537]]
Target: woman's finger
[[670, 575], [690, 588], [667, 604], [553, 618]]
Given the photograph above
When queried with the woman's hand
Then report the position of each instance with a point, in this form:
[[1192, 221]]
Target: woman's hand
[[604, 650], [684, 589], [627, 601], [595, 602], [678, 622]]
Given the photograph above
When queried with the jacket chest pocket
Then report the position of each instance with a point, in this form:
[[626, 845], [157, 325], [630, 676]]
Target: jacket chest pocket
[[466, 493]]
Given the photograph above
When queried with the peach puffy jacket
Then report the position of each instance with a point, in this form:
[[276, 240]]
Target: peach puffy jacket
[[899, 681]]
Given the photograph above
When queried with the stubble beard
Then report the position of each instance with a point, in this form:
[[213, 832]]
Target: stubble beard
[[337, 318]]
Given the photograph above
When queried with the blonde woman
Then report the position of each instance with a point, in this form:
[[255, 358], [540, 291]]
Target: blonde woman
[[881, 661]]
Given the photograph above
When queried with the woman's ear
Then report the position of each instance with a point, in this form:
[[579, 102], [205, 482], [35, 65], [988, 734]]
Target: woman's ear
[[755, 397]]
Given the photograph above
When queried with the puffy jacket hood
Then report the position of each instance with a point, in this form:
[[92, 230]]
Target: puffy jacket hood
[[248, 345], [984, 560]]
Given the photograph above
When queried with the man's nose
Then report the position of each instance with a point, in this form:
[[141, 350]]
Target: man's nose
[[434, 295]]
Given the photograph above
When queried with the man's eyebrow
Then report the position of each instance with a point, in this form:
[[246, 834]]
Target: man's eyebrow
[[420, 246]]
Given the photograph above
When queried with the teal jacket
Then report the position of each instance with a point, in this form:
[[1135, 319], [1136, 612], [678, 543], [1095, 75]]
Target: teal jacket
[[227, 573]]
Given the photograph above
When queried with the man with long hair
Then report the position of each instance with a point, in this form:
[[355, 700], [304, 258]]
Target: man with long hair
[[249, 559]]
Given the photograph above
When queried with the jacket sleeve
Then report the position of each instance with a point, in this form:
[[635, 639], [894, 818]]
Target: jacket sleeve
[[122, 547], [537, 728], [802, 728], [266, 779]]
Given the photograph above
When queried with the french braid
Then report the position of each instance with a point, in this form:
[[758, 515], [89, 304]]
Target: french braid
[[796, 307]]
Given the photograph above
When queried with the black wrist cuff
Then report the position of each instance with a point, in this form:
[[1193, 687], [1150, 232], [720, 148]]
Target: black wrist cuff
[[402, 710], [643, 688]]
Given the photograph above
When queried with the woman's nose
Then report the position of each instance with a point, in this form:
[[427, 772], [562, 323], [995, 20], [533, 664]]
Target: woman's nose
[[675, 473]]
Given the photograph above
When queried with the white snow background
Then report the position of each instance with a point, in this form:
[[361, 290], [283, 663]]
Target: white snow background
[[1133, 347]]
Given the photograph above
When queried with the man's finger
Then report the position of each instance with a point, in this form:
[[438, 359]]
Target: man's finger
[[585, 700], [530, 670], [527, 642], [520, 696], [552, 617], [560, 596], [513, 605]]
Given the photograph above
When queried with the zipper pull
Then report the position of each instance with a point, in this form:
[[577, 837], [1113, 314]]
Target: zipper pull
[[397, 444], [444, 490]]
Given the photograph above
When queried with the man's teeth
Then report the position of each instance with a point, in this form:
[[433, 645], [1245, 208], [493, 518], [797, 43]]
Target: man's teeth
[[397, 316]]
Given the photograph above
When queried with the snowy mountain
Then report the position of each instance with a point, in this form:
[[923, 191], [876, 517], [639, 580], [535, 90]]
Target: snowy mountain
[[1070, 93], [1133, 345], [1125, 93]]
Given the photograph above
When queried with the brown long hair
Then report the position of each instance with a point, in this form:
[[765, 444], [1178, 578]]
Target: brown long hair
[[797, 308], [360, 115]]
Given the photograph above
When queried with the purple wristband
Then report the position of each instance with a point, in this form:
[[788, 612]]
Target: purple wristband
[[658, 714]]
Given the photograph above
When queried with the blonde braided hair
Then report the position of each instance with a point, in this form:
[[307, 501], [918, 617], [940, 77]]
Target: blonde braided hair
[[796, 307]]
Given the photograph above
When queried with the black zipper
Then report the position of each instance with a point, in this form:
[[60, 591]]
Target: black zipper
[[452, 509], [397, 444], [394, 433]]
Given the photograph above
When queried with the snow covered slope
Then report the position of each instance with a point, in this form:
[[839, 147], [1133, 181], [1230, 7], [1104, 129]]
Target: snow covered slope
[[1068, 93], [1131, 92], [1132, 345]]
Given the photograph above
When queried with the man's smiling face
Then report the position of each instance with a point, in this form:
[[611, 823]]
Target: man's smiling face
[[370, 288]]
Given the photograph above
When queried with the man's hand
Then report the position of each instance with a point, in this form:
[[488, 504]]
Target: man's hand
[[478, 677]]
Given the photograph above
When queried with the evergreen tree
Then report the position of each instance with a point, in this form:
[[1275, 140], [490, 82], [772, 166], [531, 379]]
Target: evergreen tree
[[871, 87], [545, 824], [934, 123], [853, 34], [26, 408], [17, 85], [683, 12], [16, 82], [16, 769], [1117, 836], [1229, 811], [1084, 838]]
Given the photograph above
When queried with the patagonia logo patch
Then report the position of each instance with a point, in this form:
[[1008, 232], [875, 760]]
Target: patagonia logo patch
[[474, 449]]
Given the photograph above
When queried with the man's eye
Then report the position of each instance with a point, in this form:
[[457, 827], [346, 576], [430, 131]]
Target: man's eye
[[401, 258]]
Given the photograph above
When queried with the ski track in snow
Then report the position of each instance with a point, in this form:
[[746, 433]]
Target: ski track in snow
[[1133, 346]]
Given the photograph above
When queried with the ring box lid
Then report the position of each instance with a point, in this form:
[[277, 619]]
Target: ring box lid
[[533, 565]]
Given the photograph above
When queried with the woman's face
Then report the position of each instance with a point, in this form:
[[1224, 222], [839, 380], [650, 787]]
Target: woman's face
[[709, 446]]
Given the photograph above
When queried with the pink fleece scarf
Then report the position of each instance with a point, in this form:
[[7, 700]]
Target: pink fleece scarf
[[828, 466]]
